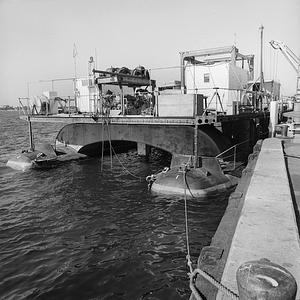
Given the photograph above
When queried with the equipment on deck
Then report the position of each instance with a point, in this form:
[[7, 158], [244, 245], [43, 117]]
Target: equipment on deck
[[142, 102]]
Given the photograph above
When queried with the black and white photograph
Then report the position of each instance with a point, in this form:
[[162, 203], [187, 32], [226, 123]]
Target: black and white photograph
[[149, 150]]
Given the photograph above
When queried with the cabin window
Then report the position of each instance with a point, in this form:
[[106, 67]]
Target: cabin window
[[206, 77]]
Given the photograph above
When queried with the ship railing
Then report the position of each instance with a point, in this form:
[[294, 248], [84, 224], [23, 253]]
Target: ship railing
[[230, 155], [221, 157], [23, 109], [40, 106], [219, 100], [215, 102]]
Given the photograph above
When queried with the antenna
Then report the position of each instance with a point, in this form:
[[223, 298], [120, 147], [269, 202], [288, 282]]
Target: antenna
[[74, 57], [261, 28], [75, 88]]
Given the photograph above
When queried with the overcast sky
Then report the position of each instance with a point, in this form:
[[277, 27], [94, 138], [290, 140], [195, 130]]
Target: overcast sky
[[37, 36]]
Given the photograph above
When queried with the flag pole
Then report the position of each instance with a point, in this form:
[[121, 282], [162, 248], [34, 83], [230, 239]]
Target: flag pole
[[261, 28], [74, 57], [75, 75], [75, 67]]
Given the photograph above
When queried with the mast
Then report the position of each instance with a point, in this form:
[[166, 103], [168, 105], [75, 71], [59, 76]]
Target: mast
[[74, 57], [261, 28], [75, 73]]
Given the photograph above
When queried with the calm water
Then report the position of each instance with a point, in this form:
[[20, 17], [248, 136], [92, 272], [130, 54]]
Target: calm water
[[74, 232]]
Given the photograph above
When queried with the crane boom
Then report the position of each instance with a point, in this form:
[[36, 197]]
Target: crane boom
[[292, 58]]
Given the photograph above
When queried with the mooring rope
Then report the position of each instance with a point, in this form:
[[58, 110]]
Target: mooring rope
[[188, 257], [110, 144], [193, 273], [214, 282], [188, 187], [120, 162]]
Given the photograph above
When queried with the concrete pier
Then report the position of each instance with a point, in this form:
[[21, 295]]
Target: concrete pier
[[260, 220], [267, 226], [292, 157]]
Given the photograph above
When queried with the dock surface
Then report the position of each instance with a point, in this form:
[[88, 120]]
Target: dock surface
[[292, 156], [267, 226]]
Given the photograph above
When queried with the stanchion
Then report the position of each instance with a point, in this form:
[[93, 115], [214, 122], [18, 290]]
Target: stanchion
[[31, 144]]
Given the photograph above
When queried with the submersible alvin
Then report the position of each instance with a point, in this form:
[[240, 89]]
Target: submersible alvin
[[200, 182]]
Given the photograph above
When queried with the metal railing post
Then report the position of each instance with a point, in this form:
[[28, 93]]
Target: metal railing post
[[196, 143], [69, 106], [30, 134]]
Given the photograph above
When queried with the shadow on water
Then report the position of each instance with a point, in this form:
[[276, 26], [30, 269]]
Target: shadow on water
[[75, 232]]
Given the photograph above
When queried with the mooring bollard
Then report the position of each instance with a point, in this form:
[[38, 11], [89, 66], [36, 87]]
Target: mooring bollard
[[262, 279], [284, 130]]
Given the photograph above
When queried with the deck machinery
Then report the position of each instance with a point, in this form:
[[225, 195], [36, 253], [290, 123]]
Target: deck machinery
[[292, 58], [137, 78]]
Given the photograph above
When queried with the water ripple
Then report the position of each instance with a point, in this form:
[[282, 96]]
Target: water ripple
[[74, 232]]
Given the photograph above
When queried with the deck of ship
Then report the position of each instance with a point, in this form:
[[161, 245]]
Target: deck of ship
[[143, 119]]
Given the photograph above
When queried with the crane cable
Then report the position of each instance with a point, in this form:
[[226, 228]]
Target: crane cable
[[105, 121]]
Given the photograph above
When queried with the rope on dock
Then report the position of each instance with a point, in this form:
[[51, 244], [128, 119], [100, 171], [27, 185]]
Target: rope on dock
[[193, 273], [213, 281]]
